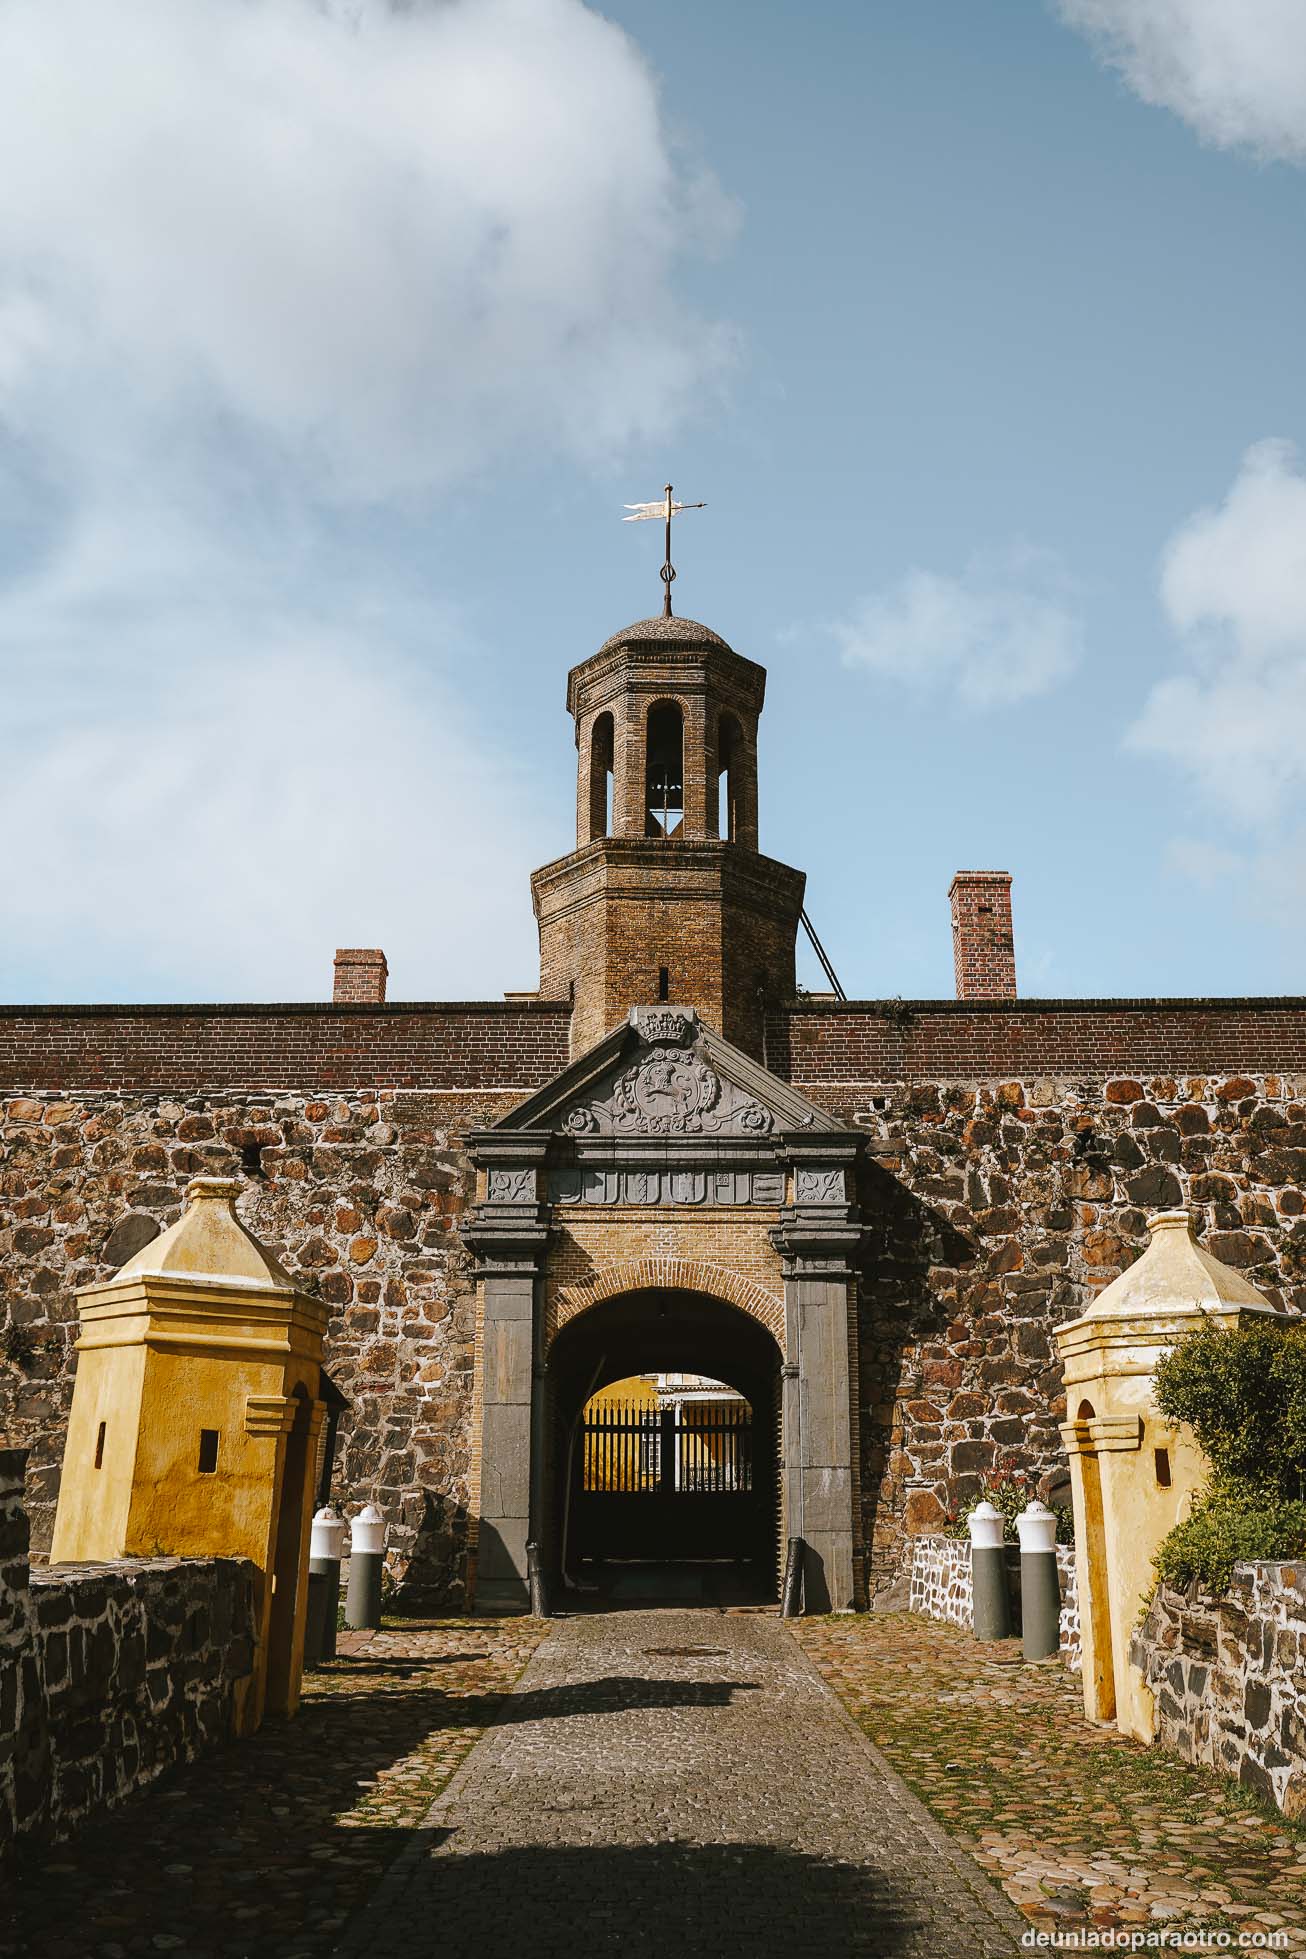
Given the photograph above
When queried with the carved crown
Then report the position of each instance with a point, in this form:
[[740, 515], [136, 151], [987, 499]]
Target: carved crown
[[664, 1026]]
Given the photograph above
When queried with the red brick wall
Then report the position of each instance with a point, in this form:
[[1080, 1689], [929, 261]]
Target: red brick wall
[[862, 1042], [484, 1044], [488, 1044]]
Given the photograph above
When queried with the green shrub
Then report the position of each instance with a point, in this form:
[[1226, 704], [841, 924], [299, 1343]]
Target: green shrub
[[1244, 1395], [1231, 1521]]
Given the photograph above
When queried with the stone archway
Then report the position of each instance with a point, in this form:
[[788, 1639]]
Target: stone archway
[[669, 1273], [661, 1514]]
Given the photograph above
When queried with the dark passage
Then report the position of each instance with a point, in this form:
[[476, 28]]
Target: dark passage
[[667, 1489]]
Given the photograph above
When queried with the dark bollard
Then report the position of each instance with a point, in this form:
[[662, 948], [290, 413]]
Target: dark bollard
[[325, 1547], [988, 1573], [315, 1615], [1040, 1588], [366, 1558], [791, 1594], [539, 1591]]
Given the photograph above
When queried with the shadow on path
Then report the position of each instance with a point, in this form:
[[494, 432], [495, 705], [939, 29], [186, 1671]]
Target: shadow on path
[[673, 1899]]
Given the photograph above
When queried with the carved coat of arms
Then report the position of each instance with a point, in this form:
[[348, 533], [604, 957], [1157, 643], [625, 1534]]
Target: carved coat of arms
[[667, 1093], [670, 1091]]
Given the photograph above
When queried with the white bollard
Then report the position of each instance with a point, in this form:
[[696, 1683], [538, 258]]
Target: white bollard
[[1040, 1588], [988, 1573], [366, 1557]]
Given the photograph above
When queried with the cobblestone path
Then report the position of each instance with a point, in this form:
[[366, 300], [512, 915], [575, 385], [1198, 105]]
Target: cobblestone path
[[680, 1783], [1086, 1830], [262, 1849]]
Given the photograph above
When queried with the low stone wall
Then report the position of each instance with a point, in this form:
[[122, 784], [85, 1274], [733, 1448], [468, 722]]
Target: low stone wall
[[1229, 1678], [109, 1673], [940, 1587]]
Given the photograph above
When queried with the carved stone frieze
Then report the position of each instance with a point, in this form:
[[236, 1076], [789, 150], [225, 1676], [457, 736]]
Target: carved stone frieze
[[509, 1186], [672, 1187], [670, 1091], [817, 1184]]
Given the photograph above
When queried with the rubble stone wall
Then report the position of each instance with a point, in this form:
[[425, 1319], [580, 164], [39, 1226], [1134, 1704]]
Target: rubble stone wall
[[995, 1212], [358, 1194], [109, 1673], [996, 1205], [940, 1587], [1229, 1678]]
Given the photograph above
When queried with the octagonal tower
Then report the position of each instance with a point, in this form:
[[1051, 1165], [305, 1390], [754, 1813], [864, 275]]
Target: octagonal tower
[[666, 895]]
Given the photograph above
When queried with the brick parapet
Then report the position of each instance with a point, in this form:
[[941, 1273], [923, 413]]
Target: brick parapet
[[863, 1042], [508, 1046], [518, 1045]]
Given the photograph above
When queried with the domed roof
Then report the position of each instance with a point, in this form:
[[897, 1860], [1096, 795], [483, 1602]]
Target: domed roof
[[676, 632]]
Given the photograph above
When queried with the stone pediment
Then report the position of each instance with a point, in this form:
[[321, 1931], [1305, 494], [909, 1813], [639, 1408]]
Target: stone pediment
[[665, 1074]]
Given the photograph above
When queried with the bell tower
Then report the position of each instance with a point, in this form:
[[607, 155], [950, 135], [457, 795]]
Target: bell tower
[[666, 896]]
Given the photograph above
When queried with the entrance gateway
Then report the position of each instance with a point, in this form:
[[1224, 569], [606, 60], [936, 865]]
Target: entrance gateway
[[665, 1202]]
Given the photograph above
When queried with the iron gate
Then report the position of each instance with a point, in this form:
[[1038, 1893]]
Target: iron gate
[[668, 1483], [698, 1449]]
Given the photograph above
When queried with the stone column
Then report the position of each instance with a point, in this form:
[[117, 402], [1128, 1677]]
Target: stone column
[[695, 767], [817, 1238], [507, 1386], [507, 1233]]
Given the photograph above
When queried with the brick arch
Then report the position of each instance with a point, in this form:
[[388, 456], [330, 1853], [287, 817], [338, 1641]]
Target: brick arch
[[664, 1274]]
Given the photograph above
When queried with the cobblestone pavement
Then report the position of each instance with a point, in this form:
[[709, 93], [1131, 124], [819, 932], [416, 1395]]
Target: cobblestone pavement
[[680, 1782], [263, 1849], [1083, 1828]]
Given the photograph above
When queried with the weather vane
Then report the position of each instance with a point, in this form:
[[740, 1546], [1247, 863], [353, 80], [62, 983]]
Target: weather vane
[[640, 513]]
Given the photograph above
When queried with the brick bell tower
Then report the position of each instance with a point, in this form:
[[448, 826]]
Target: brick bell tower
[[666, 895]]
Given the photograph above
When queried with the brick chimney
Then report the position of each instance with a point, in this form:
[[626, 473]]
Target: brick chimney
[[982, 946], [361, 973]]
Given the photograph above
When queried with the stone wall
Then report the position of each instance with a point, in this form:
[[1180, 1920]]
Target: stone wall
[[996, 1205], [359, 1196], [995, 1211], [940, 1587], [1229, 1678], [110, 1673]]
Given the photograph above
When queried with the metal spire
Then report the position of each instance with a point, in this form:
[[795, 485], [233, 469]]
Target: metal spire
[[640, 513]]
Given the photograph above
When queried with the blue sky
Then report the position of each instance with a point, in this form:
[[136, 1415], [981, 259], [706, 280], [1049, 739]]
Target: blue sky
[[333, 338]]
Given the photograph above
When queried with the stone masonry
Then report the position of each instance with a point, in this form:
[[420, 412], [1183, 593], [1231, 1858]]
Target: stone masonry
[[1229, 1678], [994, 1205], [359, 1192], [109, 1673]]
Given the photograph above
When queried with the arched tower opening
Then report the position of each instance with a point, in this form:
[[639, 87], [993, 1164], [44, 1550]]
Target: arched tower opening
[[664, 797], [596, 784]]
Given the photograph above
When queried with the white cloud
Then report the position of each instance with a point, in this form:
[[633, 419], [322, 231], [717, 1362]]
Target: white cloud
[[1000, 632], [1233, 583], [1235, 70], [216, 825], [390, 239], [273, 274]]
